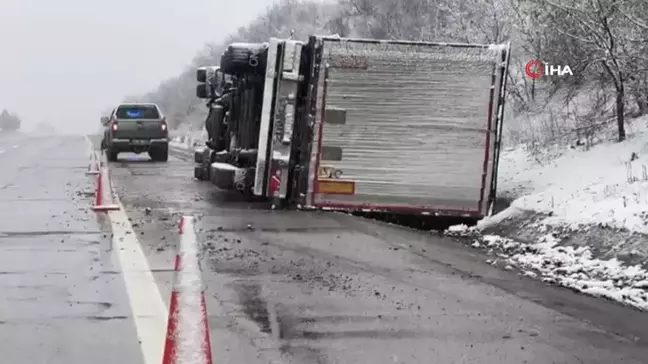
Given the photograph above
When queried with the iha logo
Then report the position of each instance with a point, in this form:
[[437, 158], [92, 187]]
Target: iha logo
[[535, 68]]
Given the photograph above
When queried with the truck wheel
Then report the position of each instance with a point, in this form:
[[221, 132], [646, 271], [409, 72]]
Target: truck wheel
[[159, 154], [111, 155], [214, 126], [244, 58], [164, 154], [198, 173]]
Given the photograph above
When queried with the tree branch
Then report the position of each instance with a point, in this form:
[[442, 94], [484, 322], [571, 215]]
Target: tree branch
[[633, 20]]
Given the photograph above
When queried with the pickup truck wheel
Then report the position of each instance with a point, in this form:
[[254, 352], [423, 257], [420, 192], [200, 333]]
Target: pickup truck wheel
[[159, 154], [244, 58], [111, 155], [164, 154]]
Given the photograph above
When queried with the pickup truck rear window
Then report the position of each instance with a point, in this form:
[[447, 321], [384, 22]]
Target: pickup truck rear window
[[137, 112]]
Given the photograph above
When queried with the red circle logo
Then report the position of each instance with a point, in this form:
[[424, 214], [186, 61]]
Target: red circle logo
[[534, 68]]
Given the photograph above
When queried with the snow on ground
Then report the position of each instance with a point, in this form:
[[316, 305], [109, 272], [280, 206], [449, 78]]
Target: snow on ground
[[602, 185], [188, 139], [567, 266], [579, 220]]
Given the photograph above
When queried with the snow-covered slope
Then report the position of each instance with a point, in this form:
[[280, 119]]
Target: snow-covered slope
[[579, 220], [607, 184]]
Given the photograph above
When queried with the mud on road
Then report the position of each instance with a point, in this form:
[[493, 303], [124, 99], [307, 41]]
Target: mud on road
[[314, 287]]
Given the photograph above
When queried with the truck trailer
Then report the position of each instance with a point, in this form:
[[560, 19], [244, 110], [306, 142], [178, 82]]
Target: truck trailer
[[357, 124]]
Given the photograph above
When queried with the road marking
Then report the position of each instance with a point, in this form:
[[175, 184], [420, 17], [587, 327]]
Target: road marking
[[149, 310], [1, 151], [15, 146]]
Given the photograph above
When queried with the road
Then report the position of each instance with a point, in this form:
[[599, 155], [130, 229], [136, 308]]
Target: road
[[63, 300], [282, 286]]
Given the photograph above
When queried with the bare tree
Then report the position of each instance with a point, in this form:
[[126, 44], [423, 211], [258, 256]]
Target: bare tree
[[176, 96], [604, 41], [602, 35]]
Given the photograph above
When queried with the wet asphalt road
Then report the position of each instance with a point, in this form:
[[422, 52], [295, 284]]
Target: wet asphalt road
[[302, 287], [62, 299], [283, 287]]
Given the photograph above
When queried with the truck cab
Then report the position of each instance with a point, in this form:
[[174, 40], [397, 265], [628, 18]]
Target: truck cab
[[357, 124]]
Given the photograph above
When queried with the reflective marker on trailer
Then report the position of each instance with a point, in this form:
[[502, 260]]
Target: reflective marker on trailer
[[336, 187]]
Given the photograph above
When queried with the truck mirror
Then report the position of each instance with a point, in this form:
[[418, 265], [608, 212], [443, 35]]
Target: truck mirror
[[105, 120]]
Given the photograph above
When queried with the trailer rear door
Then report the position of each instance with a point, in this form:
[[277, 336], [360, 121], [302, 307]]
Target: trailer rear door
[[405, 126]]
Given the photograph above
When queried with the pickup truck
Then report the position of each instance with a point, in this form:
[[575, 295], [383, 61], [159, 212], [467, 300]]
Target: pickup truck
[[357, 124], [136, 128]]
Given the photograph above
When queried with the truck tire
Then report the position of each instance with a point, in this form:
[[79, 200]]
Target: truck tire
[[159, 154], [214, 125], [111, 155], [201, 75], [201, 91], [244, 58], [164, 154], [199, 173]]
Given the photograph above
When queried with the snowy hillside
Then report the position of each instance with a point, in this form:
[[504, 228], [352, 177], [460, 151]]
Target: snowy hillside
[[605, 185], [579, 220]]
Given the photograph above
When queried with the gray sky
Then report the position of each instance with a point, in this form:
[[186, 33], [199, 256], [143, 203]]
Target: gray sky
[[66, 61]]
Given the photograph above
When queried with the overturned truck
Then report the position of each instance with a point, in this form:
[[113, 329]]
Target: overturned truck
[[357, 124]]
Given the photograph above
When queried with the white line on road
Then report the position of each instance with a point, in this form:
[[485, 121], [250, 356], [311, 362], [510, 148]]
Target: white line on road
[[149, 310], [1, 151], [15, 146]]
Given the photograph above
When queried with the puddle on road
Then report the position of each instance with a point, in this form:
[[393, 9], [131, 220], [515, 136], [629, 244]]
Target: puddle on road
[[31, 234], [274, 321], [107, 318], [254, 306]]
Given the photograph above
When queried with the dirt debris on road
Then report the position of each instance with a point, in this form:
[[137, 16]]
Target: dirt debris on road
[[304, 287]]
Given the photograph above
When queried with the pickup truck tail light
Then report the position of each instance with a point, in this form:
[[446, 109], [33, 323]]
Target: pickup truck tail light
[[163, 126], [114, 126]]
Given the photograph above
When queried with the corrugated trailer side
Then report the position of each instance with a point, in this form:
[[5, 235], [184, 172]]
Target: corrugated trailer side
[[409, 127]]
